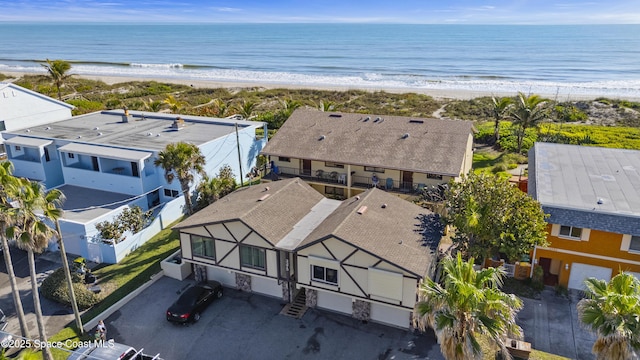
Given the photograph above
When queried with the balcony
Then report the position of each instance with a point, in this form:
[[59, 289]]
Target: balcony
[[336, 178]]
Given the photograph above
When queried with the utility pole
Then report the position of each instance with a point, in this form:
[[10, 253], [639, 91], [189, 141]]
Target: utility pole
[[239, 156]]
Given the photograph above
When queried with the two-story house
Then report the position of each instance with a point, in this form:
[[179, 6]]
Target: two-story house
[[104, 161], [592, 195], [21, 108], [362, 257], [343, 154]]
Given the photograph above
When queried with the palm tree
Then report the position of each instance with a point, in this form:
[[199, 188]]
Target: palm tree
[[52, 211], [8, 189], [181, 160], [288, 106], [468, 303], [33, 235], [500, 107], [174, 104], [246, 109], [325, 106], [612, 310], [153, 105], [222, 107], [57, 70], [527, 112], [211, 190]]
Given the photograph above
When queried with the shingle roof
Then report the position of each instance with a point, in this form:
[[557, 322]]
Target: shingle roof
[[584, 186], [394, 142], [400, 232], [391, 228], [282, 206]]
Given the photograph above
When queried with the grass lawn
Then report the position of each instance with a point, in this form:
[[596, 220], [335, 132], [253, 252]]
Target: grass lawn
[[489, 352], [133, 271]]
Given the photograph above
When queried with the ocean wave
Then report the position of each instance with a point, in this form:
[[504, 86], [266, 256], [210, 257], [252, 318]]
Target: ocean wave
[[170, 66], [364, 80]]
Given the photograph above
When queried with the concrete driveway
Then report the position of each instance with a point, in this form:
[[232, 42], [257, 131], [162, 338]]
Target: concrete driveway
[[56, 315], [248, 326], [551, 324]]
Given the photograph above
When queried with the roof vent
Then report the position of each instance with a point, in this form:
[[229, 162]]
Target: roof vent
[[406, 135], [177, 123], [48, 128], [358, 197], [600, 201], [384, 206], [366, 119], [415, 121], [335, 115], [322, 137], [157, 135], [149, 134], [266, 188], [96, 128], [362, 210], [377, 119], [264, 197], [99, 134], [28, 130], [79, 137]]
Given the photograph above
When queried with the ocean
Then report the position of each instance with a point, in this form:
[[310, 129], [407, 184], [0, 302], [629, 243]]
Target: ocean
[[600, 60]]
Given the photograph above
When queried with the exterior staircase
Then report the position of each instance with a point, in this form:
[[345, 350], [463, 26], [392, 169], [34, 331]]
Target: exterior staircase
[[298, 307]]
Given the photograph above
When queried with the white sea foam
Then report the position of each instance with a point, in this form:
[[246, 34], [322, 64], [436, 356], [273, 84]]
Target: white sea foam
[[169, 66]]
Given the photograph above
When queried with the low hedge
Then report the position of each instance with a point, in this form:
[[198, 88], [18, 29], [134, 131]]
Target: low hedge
[[54, 287]]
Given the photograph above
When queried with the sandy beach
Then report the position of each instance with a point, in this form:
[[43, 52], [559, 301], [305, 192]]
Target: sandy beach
[[458, 94]]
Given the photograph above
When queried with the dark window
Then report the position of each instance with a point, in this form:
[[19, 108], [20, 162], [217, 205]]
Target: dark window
[[2, 126], [374, 169], [171, 193], [71, 155], [252, 257], [570, 231], [634, 245], [332, 190], [323, 274], [434, 176], [46, 155], [134, 169], [203, 246], [333, 164], [94, 161], [284, 159], [18, 148]]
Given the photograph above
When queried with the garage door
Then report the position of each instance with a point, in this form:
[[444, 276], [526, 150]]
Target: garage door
[[581, 272], [266, 286], [390, 315], [334, 302]]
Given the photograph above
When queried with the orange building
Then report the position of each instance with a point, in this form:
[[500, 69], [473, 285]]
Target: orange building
[[592, 196]]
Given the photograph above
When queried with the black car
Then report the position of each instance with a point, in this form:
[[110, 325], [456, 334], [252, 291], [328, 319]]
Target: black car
[[193, 301]]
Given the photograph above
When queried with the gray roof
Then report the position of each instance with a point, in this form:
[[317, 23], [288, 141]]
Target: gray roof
[[390, 228], [590, 187], [272, 213], [84, 204], [393, 142], [144, 131], [294, 215]]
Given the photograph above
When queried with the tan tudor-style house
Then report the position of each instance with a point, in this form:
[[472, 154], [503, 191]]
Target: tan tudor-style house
[[363, 256], [343, 154]]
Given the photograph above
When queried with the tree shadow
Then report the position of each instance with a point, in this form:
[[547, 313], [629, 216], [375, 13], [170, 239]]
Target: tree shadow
[[431, 228]]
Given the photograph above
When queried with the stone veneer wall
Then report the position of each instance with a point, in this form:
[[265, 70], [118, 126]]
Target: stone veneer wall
[[361, 310], [312, 297], [285, 291], [199, 272], [243, 282]]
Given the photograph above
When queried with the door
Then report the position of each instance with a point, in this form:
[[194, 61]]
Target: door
[[580, 272], [306, 167], [407, 180]]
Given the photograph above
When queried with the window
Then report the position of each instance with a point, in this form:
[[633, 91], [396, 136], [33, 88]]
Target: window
[[252, 257], [171, 193], [570, 232], [70, 155], [434, 176], [94, 162], [332, 190], [47, 157], [203, 246], [634, 245], [334, 165], [2, 126], [323, 274], [18, 148], [134, 169], [284, 159], [374, 169]]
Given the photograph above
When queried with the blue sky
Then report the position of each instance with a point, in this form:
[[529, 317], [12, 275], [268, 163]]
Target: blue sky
[[322, 11]]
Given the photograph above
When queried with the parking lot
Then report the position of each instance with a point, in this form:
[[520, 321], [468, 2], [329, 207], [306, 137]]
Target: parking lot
[[248, 326]]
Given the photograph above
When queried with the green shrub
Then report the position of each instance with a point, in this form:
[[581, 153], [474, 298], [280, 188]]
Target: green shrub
[[54, 287], [512, 166], [85, 106], [499, 168]]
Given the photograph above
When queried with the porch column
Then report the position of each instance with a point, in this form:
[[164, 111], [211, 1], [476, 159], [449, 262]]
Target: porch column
[[348, 181]]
